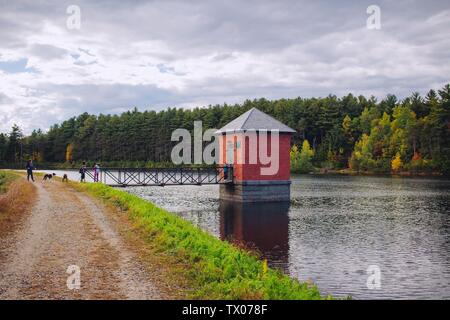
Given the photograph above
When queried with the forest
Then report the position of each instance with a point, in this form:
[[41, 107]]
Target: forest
[[351, 132]]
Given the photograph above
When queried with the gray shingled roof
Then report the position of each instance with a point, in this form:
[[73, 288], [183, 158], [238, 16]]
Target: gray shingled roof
[[255, 119]]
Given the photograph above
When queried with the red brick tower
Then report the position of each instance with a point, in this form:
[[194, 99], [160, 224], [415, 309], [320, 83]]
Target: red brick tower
[[257, 146]]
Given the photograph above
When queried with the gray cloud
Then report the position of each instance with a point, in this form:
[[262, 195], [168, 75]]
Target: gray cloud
[[156, 54], [4, 99], [46, 51], [104, 98]]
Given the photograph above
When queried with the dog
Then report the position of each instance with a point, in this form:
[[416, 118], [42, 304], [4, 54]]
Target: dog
[[48, 176], [65, 178]]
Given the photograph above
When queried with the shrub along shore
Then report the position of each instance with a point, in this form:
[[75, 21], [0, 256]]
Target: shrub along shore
[[215, 269]]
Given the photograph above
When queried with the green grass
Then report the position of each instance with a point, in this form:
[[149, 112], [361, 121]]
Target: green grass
[[215, 269], [6, 178]]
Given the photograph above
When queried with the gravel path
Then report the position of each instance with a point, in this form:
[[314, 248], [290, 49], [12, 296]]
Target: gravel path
[[67, 228]]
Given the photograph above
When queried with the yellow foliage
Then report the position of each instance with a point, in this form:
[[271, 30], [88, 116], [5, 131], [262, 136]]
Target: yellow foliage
[[346, 124], [265, 267], [294, 152], [69, 152], [396, 163], [306, 149]]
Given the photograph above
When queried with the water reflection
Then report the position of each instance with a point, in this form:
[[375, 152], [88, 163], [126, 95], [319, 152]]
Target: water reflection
[[263, 227]]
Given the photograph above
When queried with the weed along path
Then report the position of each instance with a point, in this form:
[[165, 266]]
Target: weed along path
[[68, 247]]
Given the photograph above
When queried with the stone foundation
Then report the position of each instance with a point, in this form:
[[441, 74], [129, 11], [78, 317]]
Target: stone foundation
[[256, 191]]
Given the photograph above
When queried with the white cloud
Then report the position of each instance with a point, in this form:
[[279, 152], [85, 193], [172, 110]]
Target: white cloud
[[156, 54]]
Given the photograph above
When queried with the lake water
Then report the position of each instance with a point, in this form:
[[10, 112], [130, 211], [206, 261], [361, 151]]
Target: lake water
[[334, 229]]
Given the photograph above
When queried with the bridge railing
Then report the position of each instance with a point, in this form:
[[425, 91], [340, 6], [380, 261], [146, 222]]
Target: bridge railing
[[163, 176]]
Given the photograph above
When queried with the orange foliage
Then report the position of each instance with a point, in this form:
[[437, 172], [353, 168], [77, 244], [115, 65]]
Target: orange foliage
[[416, 157]]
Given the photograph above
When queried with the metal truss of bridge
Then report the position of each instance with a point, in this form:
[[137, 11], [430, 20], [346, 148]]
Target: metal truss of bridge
[[128, 177]]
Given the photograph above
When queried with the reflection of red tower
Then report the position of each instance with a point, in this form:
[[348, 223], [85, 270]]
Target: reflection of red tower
[[241, 143], [261, 226]]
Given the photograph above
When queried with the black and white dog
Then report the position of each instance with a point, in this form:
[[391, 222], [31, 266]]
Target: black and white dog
[[48, 176]]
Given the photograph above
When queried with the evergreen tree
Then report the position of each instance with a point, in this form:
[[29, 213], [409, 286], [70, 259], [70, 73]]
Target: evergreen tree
[[15, 146], [358, 132]]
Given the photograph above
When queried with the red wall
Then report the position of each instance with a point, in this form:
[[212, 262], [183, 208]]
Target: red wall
[[245, 171]]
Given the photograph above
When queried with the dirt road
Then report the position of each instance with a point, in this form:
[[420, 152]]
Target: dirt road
[[68, 228]]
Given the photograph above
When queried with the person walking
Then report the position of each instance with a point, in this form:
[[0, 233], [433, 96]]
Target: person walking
[[96, 172], [83, 172], [30, 169]]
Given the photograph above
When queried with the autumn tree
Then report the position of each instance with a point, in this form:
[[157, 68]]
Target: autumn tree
[[396, 163], [305, 159], [69, 152]]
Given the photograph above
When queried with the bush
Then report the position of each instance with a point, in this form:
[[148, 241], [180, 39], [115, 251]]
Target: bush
[[301, 162]]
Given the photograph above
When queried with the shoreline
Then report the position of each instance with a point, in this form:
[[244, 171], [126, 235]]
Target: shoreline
[[318, 171], [214, 269], [348, 172]]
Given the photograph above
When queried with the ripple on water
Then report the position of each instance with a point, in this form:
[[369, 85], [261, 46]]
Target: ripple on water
[[335, 228]]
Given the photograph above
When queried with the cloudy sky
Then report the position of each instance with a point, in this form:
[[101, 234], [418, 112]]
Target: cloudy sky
[[157, 54]]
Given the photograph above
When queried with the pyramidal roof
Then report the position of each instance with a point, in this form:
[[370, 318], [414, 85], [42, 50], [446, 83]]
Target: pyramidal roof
[[255, 119]]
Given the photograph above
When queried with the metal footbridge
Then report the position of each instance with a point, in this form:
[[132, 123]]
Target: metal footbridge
[[128, 177]]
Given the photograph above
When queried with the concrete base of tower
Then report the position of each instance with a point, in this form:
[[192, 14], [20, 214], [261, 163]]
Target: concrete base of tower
[[256, 191]]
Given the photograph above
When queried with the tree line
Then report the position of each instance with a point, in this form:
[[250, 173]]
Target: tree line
[[354, 132]]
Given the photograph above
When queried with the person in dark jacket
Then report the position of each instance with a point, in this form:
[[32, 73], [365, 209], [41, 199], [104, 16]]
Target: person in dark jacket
[[30, 169], [83, 172]]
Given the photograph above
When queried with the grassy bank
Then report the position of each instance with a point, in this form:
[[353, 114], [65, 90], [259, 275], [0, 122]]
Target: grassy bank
[[214, 269], [16, 198], [6, 178]]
